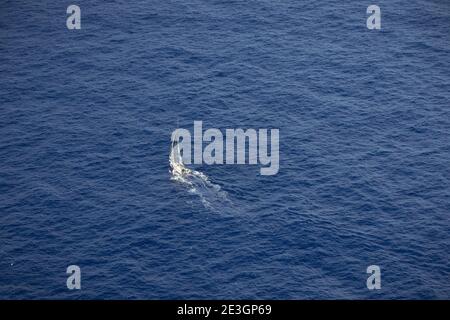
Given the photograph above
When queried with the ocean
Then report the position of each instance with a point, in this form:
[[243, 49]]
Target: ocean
[[85, 137]]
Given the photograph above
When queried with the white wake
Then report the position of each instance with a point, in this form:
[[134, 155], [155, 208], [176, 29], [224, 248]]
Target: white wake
[[198, 183]]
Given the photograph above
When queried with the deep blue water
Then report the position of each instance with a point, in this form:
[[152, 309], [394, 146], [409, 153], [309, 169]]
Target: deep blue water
[[85, 125]]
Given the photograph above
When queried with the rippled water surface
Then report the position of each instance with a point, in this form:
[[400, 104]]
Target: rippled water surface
[[85, 126]]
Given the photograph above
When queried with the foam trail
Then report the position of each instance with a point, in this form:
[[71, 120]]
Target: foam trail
[[198, 183]]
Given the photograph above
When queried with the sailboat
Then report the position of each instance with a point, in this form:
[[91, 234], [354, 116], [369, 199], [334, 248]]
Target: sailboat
[[176, 161]]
